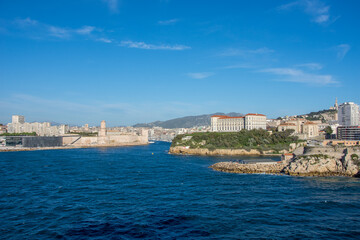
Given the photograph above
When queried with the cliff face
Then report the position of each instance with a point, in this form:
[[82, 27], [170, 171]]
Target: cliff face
[[320, 166], [219, 152]]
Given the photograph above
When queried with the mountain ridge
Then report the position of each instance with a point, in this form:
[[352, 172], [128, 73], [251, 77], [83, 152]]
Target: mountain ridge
[[186, 122]]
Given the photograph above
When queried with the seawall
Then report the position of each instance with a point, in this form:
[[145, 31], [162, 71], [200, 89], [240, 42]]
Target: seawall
[[221, 152]]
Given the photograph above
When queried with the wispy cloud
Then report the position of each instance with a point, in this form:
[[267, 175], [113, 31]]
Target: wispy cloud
[[247, 52], [113, 5], [34, 28], [168, 22], [319, 11], [342, 50], [237, 66], [299, 76], [143, 45], [59, 32], [200, 75], [37, 108], [311, 66], [85, 30], [25, 22], [105, 40]]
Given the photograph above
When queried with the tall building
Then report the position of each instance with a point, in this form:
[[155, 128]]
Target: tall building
[[348, 114], [18, 125], [220, 123], [18, 119]]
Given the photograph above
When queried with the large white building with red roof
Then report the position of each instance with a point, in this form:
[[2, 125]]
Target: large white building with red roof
[[221, 123]]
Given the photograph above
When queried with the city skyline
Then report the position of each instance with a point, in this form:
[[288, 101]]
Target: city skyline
[[140, 61]]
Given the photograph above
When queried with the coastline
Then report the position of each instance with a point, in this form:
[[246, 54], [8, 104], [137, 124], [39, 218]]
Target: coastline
[[302, 166], [180, 150], [69, 147]]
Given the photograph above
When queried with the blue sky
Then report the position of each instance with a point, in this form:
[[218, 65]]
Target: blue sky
[[129, 61]]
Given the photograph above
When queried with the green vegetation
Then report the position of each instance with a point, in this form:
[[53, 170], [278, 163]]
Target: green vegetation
[[19, 134], [355, 159], [258, 139], [316, 156], [85, 134], [328, 130], [313, 116]]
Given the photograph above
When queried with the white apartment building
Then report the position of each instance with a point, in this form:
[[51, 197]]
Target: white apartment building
[[18, 125], [348, 114], [220, 123]]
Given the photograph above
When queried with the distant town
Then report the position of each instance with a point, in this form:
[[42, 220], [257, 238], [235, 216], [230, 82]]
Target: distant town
[[340, 124]]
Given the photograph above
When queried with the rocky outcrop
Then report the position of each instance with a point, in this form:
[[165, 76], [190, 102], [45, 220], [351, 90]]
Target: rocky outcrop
[[314, 165], [219, 152], [234, 167], [303, 165]]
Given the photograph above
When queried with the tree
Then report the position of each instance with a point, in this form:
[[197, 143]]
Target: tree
[[328, 130]]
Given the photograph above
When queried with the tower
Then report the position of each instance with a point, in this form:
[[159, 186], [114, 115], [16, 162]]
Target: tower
[[102, 132], [336, 106]]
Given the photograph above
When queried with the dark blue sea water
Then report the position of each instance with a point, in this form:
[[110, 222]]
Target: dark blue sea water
[[128, 192]]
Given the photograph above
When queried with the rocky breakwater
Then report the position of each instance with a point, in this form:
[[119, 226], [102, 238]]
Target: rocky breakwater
[[234, 167], [334, 164]]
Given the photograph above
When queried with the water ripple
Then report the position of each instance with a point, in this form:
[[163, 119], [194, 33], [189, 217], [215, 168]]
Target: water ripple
[[130, 193]]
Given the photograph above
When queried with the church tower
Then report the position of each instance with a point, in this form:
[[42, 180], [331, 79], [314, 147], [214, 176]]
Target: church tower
[[336, 106]]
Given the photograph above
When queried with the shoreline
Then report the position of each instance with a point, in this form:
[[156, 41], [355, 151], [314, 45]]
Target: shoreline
[[222, 152], [69, 147]]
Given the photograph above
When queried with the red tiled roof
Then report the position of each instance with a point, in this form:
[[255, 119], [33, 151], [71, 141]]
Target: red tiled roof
[[249, 114], [309, 123], [287, 124], [255, 114], [224, 117]]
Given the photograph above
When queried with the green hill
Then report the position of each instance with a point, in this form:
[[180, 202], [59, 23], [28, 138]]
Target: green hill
[[245, 139]]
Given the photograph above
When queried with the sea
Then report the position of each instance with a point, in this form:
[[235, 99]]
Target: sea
[[142, 192]]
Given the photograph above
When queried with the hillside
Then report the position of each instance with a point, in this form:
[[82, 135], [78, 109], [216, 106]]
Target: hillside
[[186, 122], [257, 139]]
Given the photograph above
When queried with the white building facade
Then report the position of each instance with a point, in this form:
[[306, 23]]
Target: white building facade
[[220, 123], [18, 125], [348, 114]]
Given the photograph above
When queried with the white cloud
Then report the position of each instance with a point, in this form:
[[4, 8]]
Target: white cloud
[[26, 22], [105, 40], [59, 32], [311, 66], [168, 22], [342, 50], [85, 30], [247, 52], [200, 75], [319, 11], [299, 76], [113, 5], [143, 45], [34, 28]]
